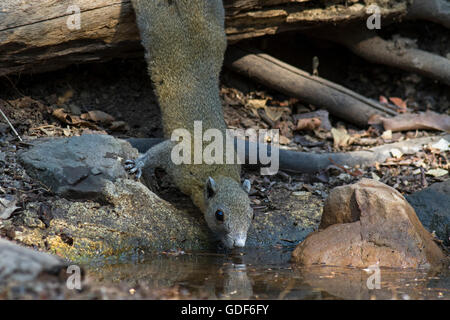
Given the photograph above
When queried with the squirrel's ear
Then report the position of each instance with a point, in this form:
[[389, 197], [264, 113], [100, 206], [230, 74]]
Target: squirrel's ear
[[211, 188], [247, 185]]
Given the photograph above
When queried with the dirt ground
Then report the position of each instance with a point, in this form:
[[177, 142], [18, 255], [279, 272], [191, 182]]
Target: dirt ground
[[122, 89]]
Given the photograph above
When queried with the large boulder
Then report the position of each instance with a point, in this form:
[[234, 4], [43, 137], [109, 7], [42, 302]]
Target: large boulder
[[369, 223]]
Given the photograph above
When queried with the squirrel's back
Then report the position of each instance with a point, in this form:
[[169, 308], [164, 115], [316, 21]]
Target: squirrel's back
[[184, 61]]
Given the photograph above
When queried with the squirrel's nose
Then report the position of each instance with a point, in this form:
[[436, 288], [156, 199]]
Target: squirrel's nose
[[239, 240]]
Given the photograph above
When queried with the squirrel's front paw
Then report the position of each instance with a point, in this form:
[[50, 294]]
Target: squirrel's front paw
[[134, 166]]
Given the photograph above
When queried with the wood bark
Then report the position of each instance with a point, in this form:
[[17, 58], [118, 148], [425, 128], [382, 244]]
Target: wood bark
[[373, 48], [37, 36]]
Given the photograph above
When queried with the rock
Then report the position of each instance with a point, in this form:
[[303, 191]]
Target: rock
[[123, 217], [341, 208], [293, 216], [130, 220], [77, 167], [432, 206], [369, 223], [20, 264]]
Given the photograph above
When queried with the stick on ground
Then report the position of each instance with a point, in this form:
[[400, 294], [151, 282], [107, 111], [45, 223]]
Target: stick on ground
[[10, 125], [273, 73]]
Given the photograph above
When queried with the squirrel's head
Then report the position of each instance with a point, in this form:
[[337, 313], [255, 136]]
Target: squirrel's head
[[228, 212]]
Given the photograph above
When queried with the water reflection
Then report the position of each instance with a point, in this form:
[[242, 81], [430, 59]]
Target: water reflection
[[267, 274]]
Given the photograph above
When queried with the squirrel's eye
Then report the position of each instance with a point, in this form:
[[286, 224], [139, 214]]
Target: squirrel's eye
[[220, 215]]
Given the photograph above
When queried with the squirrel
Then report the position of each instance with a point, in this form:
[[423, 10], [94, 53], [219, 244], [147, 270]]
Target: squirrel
[[185, 44]]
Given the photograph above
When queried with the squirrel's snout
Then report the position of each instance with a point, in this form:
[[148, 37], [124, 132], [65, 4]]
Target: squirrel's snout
[[234, 241], [239, 240]]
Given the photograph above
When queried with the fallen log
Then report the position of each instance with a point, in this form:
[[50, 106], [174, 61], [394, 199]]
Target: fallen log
[[292, 81], [307, 162], [38, 36], [377, 50], [437, 11]]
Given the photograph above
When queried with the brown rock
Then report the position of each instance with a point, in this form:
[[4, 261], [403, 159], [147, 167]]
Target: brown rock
[[340, 207], [369, 223]]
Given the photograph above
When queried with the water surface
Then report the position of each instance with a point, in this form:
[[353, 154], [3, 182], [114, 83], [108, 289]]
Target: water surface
[[268, 274]]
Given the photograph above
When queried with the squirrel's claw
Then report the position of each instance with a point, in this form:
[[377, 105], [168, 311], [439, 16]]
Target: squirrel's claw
[[134, 167]]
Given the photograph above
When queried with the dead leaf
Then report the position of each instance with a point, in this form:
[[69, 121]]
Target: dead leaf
[[383, 100], [7, 207], [98, 116], [442, 145], [437, 172], [274, 113], [255, 104], [401, 104], [322, 115], [62, 115], [284, 141], [308, 124], [341, 137], [387, 135], [66, 132], [286, 128], [66, 118]]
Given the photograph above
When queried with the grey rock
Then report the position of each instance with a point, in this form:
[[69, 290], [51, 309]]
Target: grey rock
[[432, 206], [77, 167], [293, 218]]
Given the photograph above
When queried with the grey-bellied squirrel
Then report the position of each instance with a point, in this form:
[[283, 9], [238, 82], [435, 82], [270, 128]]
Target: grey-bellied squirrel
[[185, 44]]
